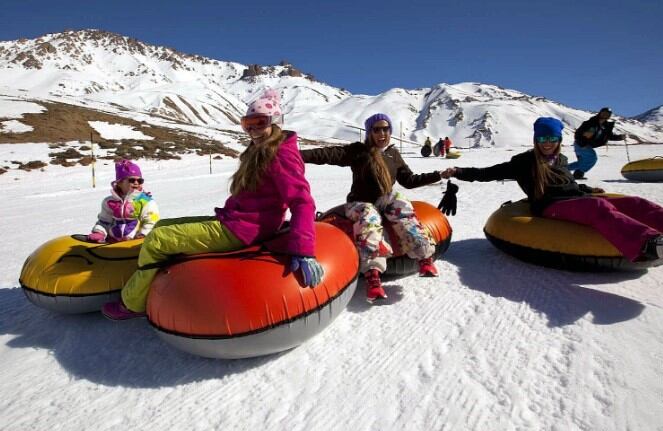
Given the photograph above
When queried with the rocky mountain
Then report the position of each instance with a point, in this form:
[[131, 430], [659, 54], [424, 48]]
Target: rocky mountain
[[122, 76]]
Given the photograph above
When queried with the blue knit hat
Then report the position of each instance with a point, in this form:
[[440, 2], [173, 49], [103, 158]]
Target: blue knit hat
[[548, 126], [368, 124]]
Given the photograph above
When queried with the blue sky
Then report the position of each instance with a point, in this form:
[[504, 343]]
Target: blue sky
[[585, 54]]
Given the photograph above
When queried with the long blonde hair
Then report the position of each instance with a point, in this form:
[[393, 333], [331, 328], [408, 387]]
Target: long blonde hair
[[254, 161], [378, 166], [542, 171]]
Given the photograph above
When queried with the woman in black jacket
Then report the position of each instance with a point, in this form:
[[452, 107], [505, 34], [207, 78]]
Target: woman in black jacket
[[632, 224], [376, 166]]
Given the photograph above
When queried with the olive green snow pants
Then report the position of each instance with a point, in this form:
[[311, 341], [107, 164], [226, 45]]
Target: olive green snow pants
[[185, 235]]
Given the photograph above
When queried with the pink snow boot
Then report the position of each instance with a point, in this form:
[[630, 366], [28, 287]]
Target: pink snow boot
[[96, 237], [118, 311]]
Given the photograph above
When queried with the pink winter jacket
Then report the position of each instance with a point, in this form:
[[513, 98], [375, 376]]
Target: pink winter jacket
[[255, 216]]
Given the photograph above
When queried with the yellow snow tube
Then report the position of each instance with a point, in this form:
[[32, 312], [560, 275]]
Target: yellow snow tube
[[554, 243], [70, 275], [647, 170]]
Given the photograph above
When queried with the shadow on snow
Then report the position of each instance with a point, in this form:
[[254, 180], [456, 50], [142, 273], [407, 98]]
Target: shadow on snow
[[557, 294], [89, 346]]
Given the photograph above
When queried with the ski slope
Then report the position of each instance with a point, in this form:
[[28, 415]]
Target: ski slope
[[493, 343]]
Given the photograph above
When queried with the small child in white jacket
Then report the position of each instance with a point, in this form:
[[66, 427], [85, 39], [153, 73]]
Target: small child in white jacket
[[129, 212]]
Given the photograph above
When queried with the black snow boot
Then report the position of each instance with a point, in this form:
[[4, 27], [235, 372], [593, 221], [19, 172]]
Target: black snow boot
[[653, 248]]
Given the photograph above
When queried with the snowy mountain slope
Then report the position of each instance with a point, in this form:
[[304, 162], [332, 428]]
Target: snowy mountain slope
[[652, 117], [112, 72], [71, 128]]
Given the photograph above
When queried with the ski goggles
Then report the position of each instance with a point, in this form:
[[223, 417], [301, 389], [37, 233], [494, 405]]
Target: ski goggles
[[546, 139], [256, 122], [383, 129]]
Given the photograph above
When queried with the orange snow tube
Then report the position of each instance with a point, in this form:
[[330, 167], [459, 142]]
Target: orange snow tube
[[247, 303], [400, 264]]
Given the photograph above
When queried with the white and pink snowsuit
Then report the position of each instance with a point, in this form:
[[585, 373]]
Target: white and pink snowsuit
[[122, 218]]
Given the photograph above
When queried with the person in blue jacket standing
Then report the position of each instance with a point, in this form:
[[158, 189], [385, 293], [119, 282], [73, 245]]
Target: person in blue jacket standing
[[593, 133]]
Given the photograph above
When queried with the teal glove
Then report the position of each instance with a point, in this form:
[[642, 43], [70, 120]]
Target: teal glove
[[311, 270]]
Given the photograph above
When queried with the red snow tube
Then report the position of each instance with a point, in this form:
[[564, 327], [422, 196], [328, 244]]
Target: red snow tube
[[400, 264], [246, 303]]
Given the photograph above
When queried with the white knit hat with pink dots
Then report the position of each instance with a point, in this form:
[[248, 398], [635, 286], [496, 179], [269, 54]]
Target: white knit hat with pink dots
[[269, 103]]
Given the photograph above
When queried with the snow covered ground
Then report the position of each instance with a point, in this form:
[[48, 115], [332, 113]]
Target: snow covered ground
[[117, 131], [493, 343]]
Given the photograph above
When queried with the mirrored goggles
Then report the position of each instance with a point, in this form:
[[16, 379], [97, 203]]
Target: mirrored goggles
[[256, 122], [546, 139]]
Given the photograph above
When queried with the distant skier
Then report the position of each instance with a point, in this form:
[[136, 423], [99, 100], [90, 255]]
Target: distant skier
[[593, 133]]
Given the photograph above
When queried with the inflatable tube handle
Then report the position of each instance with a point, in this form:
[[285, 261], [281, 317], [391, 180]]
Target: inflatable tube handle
[[89, 262]]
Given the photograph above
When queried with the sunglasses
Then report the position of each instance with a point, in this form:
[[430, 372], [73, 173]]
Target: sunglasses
[[135, 180], [545, 139], [256, 122], [378, 129]]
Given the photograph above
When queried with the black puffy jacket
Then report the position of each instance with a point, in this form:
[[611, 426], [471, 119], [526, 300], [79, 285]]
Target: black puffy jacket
[[600, 134]]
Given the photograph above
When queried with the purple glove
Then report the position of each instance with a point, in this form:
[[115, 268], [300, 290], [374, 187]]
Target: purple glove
[[96, 237]]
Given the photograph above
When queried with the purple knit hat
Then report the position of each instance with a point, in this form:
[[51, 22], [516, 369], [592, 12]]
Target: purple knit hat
[[370, 121], [126, 168]]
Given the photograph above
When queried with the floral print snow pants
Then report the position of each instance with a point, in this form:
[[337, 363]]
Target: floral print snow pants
[[374, 248]]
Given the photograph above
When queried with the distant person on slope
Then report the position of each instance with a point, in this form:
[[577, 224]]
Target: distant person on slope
[[376, 166], [439, 148], [632, 224], [447, 144], [129, 212], [593, 133], [269, 180], [427, 149]]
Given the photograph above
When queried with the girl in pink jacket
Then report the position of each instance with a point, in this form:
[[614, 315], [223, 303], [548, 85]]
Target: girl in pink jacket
[[269, 180]]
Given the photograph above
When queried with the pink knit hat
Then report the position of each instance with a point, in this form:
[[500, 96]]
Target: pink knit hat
[[126, 168], [269, 103]]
